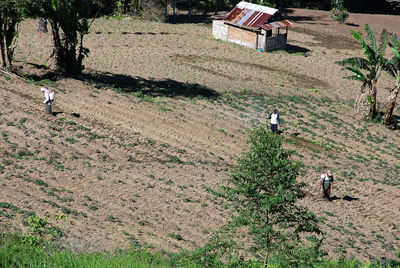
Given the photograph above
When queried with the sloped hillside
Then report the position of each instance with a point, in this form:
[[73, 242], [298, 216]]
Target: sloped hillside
[[163, 111]]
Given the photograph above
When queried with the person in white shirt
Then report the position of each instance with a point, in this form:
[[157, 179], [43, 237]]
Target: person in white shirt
[[49, 97], [275, 121], [326, 183]]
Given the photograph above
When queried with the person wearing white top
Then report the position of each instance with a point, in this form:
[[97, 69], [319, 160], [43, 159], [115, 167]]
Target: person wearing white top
[[49, 97], [326, 183], [275, 121]]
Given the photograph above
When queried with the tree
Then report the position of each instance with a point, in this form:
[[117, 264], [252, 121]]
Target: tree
[[338, 12], [368, 70], [69, 24], [11, 13], [262, 195], [393, 67]]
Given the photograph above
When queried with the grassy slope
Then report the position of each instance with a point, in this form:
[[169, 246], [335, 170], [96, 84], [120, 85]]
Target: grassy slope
[[132, 167]]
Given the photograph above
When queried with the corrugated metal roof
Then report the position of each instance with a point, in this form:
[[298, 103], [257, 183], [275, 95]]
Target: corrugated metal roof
[[250, 15], [234, 13], [247, 17], [276, 24]]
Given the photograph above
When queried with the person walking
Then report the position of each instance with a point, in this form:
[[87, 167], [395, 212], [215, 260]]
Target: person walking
[[275, 121], [49, 97], [326, 183]]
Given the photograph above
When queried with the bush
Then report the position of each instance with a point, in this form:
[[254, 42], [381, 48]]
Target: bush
[[152, 10], [339, 15]]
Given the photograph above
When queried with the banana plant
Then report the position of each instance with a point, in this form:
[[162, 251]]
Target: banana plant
[[393, 68], [368, 70], [69, 24]]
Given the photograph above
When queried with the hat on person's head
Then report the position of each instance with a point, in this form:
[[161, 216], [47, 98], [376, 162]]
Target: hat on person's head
[[329, 173], [43, 89], [275, 110]]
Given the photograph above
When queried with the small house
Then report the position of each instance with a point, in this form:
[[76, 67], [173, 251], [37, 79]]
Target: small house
[[253, 26]]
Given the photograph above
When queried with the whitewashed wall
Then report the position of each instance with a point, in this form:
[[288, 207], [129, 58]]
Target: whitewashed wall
[[220, 30]]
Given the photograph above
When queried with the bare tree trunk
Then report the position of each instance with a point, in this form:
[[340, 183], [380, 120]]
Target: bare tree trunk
[[64, 51], [3, 48], [81, 54], [10, 40], [391, 105], [265, 263], [58, 49], [174, 7], [372, 112]]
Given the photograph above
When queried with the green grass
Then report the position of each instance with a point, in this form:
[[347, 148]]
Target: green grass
[[15, 253]]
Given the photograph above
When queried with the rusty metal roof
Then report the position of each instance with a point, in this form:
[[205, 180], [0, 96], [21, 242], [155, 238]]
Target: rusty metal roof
[[253, 17], [250, 15], [276, 24]]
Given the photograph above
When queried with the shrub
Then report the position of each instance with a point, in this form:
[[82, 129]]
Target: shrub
[[338, 12], [152, 10], [339, 15]]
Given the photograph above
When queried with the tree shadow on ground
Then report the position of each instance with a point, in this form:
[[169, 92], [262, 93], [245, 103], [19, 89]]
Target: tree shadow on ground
[[137, 86], [304, 19], [185, 18], [352, 24], [287, 11], [395, 122]]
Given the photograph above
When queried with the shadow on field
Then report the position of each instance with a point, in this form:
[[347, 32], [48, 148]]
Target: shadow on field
[[302, 80], [137, 86], [352, 24], [181, 18], [296, 49], [395, 121], [333, 198], [166, 87], [305, 18], [328, 40], [350, 199], [308, 19]]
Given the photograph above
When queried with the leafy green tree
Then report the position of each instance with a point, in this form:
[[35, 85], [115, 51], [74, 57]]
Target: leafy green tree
[[262, 196], [11, 13], [69, 24], [368, 70], [393, 67]]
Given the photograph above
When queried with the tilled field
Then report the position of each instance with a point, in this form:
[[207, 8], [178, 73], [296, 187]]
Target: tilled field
[[163, 111]]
